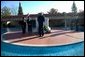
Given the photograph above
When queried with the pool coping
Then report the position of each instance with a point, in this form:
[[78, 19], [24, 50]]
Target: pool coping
[[49, 45]]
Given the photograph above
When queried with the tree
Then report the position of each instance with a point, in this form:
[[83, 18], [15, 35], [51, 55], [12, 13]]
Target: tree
[[20, 12], [53, 11], [74, 8], [14, 11], [5, 11]]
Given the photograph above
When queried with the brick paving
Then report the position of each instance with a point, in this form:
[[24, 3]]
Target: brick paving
[[55, 37]]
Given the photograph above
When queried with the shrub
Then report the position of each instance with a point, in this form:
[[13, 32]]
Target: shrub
[[47, 29]]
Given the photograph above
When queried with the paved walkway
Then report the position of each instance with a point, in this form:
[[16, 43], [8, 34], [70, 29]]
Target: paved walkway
[[57, 37]]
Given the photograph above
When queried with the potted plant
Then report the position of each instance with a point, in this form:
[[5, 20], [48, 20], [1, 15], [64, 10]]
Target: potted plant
[[47, 29]]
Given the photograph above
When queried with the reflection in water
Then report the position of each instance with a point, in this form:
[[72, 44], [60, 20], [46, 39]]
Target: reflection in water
[[8, 29]]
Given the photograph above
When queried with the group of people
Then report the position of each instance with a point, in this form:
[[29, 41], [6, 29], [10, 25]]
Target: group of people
[[40, 20]]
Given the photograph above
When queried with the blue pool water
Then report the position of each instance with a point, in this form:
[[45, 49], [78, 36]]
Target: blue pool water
[[8, 49], [66, 50], [4, 30]]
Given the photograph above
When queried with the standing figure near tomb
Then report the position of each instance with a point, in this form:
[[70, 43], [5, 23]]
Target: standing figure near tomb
[[23, 26], [40, 20], [29, 23]]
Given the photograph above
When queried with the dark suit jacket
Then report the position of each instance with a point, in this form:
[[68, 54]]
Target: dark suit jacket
[[41, 19]]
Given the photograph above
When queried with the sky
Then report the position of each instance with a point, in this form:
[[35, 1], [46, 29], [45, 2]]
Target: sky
[[34, 7]]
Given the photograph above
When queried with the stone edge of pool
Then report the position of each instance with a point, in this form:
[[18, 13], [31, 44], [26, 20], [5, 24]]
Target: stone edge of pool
[[49, 45]]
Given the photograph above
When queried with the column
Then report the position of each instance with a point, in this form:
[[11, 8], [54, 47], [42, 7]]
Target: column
[[36, 25], [65, 22], [26, 25], [8, 29], [46, 22]]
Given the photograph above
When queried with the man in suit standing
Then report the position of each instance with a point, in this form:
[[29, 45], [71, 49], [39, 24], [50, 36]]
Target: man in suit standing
[[29, 22], [40, 20], [23, 26]]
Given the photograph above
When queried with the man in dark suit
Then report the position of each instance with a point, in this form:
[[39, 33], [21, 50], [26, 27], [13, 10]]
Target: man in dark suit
[[23, 26], [29, 22], [40, 20]]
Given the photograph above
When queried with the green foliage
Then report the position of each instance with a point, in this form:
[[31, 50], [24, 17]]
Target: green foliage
[[53, 11], [3, 24], [74, 8], [5, 11], [14, 11], [20, 12], [46, 29]]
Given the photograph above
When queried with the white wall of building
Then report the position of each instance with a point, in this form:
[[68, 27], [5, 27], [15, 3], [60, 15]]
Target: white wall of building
[[46, 22]]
